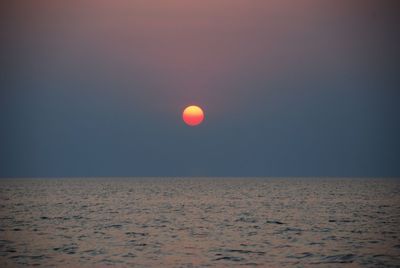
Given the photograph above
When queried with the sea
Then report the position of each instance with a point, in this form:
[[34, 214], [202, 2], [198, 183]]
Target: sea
[[200, 222]]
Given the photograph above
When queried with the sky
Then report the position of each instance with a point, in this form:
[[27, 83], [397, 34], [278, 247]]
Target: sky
[[289, 88]]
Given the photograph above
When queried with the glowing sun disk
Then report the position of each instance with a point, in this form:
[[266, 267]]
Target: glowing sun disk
[[193, 115]]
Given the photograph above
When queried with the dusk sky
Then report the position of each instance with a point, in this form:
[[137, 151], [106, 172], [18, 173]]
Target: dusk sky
[[289, 88]]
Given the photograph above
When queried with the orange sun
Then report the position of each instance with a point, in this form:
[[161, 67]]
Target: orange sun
[[193, 115]]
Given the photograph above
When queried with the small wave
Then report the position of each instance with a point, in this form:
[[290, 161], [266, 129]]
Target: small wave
[[230, 258], [274, 222], [301, 255], [340, 258], [245, 251]]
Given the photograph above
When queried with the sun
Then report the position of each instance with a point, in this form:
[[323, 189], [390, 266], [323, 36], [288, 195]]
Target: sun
[[193, 115]]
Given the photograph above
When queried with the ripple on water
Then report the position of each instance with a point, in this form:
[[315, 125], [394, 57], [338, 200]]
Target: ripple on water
[[230, 258], [339, 258], [68, 248], [199, 222]]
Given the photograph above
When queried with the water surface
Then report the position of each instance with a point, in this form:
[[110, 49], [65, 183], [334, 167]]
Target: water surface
[[200, 222]]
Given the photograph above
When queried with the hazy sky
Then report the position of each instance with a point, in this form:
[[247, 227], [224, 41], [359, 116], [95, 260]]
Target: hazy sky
[[289, 88]]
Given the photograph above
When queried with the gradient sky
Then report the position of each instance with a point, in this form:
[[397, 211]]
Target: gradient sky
[[289, 88]]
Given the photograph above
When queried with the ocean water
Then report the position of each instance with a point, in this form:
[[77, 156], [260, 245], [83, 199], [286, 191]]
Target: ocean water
[[200, 222]]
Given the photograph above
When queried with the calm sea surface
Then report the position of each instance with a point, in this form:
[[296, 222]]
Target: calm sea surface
[[200, 222]]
